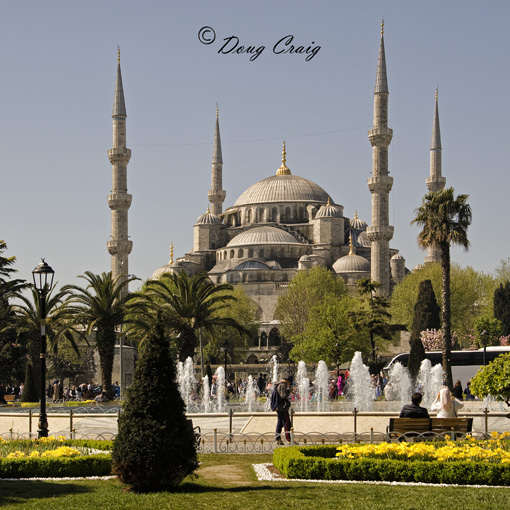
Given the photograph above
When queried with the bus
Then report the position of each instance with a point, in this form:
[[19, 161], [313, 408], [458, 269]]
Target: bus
[[465, 364]]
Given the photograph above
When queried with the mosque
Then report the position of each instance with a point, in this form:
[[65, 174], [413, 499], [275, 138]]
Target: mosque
[[281, 224]]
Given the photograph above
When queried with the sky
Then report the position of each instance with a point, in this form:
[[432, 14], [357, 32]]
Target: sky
[[58, 66]]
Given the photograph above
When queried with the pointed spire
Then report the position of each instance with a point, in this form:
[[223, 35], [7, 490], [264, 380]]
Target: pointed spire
[[208, 211], [283, 170], [171, 252], [119, 106], [217, 156], [381, 80], [436, 133], [351, 247]]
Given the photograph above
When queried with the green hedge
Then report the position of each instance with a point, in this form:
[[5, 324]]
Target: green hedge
[[47, 467], [316, 463]]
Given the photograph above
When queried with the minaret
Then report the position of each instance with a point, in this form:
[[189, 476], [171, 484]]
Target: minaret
[[436, 181], [380, 232], [119, 200], [216, 194]]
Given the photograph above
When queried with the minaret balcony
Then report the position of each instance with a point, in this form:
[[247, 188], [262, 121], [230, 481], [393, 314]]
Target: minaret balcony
[[380, 137], [380, 184], [120, 201], [120, 155], [435, 183], [380, 232], [119, 247]]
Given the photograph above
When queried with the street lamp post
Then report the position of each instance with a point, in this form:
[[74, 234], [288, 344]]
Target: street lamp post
[[43, 282], [225, 346]]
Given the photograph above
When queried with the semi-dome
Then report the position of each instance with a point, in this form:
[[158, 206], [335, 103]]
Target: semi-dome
[[251, 264], [328, 211], [352, 264], [363, 241], [263, 235], [208, 218]]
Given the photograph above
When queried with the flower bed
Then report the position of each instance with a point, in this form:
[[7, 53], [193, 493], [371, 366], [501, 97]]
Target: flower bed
[[54, 457], [464, 462]]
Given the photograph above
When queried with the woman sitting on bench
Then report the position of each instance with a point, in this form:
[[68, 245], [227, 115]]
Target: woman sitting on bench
[[446, 404]]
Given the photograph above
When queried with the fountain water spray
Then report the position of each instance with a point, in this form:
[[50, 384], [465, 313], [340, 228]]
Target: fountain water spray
[[186, 380], [360, 384], [303, 386], [321, 386]]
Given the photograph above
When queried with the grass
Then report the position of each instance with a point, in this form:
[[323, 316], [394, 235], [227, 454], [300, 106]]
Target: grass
[[228, 481]]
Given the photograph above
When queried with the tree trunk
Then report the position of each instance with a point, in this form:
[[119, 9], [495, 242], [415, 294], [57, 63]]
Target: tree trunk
[[105, 341], [446, 325], [186, 343]]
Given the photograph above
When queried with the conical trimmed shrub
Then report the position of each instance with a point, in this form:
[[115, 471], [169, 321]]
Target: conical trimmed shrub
[[30, 393], [155, 448]]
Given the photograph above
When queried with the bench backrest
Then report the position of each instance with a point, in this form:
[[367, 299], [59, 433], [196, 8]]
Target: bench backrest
[[463, 425], [404, 425], [9, 398]]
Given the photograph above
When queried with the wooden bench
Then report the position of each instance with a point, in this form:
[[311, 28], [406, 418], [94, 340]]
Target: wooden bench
[[412, 427]]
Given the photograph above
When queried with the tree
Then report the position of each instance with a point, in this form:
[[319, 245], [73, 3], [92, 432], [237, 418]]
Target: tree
[[244, 311], [329, 335], [502, 306], [154, 449], [471, 295], [60, 326], [426, 316], [373, 316], [101, 307], [30, 391], [306, 290], [488, 330], [444, 219], [493, 379], [189, 304]]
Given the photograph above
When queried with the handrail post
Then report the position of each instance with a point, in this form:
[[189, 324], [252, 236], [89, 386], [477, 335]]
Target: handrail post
[[486, 419], [30, 423], [230, 415], [355, 414], [70, 422], [215, 440], [371, 435]]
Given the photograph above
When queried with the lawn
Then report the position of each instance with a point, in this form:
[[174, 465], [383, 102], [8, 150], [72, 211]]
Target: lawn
[[228, 481]]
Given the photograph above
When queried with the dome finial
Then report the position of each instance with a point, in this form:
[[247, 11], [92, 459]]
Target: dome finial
[[171, 252], [351, 250], [118, 54], [355, 214], [329, 201], [283, 170], [208, 211]]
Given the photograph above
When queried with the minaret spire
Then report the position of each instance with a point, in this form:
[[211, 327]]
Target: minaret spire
[[436, 181], [216, 194], [284, 169], [119, 200], [380, 183]]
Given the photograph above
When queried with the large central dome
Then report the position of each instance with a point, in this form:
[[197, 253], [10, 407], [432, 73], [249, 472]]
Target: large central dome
[[282, 188]]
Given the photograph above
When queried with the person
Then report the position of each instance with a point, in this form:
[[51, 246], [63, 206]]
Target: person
[[414, 410], [284, 394], [56, 391], [457, 391], [467, 391], [445, 404], [101, 398]]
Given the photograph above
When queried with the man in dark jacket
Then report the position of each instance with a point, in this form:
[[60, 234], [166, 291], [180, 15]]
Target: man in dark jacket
[[283, 389], [414, 410]]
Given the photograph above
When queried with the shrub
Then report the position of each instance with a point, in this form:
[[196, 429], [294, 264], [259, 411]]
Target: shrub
[[155, 448]]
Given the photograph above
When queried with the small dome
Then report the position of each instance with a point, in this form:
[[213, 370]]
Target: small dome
[[263, 235], [328, 211], [358, 224], [397, 256], [351, 264], [418, 267], [208, 218]]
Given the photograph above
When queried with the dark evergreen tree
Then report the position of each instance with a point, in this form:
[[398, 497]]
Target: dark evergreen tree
[[155, 448], [426, 316], [208, 373], [30, 393], [502, 306]]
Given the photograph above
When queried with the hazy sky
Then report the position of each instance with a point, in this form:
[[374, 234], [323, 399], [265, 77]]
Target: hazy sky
[[58, 64]]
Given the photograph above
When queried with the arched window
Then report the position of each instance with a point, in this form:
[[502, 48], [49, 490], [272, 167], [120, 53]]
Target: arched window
[[261, 254], [232, 254], [274, 214], [240, 253], [272, 253], [261, 215], [287, 214], [250, 252], [225, 255], [248, 216], [274, 337]]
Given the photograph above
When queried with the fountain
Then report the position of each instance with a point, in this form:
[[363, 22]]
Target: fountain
[[206, 395], [187, 383], [220, 390], [250, 394], [303, 387], [400, 384], [321, 386], [429, 382], [360, 384]]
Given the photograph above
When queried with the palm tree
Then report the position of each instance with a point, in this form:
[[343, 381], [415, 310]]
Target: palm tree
[[444, 219], [186, 304], [101, 308], [60, 326]]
